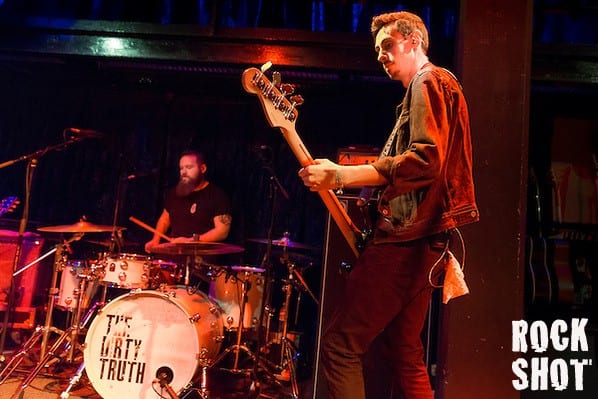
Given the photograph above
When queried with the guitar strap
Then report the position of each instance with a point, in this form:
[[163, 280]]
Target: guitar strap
[[366, 192], [365, 195]]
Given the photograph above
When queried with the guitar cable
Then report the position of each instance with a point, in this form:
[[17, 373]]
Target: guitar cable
[[445, 251]]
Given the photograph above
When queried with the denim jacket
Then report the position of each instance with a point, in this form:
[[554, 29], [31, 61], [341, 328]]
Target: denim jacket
[[429, 166]]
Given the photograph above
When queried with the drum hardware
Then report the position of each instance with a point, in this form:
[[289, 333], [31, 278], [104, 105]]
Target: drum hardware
[[163, 377], [243, 275], [237, 348], [70, 335], [287, 351], [283, 363]]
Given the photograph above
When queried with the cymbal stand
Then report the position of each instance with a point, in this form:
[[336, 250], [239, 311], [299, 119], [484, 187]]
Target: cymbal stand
[[72, 332], [238, 347], [286, 348], [59, 262], [74, 380]]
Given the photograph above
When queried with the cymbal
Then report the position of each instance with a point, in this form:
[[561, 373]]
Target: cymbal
[[246, 269], [196, 248], [282, 242], [82, 226]]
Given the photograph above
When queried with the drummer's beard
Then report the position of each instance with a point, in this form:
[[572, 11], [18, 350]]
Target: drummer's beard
[[186, 185]]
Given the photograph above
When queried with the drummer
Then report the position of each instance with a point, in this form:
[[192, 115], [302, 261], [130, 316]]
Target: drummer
[[195, 209]]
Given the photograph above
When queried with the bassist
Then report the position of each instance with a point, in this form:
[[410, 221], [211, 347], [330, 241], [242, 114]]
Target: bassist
[[425, 171]]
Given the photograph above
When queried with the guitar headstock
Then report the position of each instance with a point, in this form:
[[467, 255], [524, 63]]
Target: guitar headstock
[[8, 205], [280, 111]]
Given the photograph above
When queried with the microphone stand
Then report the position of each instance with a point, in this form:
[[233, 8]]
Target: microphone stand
[[32, 159], [165, 385], [274, 188], [116, 234]]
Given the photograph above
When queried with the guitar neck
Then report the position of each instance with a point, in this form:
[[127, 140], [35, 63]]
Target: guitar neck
[[283, 114], [331, 201]]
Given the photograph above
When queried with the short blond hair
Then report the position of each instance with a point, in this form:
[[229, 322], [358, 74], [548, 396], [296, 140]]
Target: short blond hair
[[402, 22]]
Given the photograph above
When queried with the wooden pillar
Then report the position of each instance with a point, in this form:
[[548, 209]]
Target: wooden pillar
[[493, 64]]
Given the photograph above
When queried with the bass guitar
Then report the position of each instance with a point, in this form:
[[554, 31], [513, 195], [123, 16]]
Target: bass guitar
[[281, 112]]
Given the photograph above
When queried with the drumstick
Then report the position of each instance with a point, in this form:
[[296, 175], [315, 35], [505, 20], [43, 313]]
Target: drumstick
[[147, 227]]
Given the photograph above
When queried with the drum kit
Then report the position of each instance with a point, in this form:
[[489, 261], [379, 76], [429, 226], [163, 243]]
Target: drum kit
[[159, 336]]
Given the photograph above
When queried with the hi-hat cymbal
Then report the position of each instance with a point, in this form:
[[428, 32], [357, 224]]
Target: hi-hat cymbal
[[82, 226], [282, 242], [196, 248]]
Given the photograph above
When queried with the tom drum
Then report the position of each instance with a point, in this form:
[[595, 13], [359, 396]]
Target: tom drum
[[227, 290], [73, 271], [125, 270]]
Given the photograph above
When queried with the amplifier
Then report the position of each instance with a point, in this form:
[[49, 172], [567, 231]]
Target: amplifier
[[357, 155], [29, 286], [21, 317]]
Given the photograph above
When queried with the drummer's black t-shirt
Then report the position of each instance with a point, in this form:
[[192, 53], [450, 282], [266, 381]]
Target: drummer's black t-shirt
[[194, 214]]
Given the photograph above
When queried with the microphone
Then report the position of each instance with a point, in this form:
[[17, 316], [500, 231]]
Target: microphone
[[86, 133]]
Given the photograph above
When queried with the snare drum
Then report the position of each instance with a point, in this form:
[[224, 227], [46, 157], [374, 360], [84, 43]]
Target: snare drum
[[125, 271], [227, 291], [72, 273], [165, 273], [143, 333]]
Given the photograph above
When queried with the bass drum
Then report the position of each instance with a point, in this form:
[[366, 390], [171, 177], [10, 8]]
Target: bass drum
[[143, 334]]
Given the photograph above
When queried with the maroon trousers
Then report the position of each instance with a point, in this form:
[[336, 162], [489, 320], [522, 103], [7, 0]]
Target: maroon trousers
[[388, 290]]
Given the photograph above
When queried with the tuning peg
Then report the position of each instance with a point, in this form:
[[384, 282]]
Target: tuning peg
[[297, 99], [286, 89], [276, 79]]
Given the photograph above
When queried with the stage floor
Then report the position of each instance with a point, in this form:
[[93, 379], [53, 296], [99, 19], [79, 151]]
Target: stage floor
[[53, 381]]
